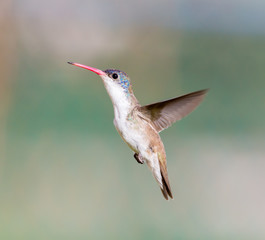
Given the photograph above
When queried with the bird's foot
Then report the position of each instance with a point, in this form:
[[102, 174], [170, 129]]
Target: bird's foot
[[138, 158]]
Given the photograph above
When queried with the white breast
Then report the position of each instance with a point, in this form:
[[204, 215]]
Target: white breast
[[130, 131]]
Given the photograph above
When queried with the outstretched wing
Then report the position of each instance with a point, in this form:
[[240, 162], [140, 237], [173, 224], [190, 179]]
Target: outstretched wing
[[164, 114]]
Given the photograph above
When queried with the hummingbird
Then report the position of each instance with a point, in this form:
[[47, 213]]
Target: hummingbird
[[139, 126]]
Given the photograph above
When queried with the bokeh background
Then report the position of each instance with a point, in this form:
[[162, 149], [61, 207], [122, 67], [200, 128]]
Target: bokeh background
[[64, 171]]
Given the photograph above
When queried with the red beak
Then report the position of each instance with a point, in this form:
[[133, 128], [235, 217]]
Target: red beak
[[95, 70]]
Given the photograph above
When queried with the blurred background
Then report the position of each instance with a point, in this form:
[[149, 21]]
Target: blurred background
[[64, 171]]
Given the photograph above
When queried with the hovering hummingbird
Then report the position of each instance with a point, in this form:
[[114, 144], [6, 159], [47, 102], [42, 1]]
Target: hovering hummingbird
[[139, 126]]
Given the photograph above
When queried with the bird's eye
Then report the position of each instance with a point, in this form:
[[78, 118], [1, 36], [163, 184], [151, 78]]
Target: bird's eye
[[115, 76]]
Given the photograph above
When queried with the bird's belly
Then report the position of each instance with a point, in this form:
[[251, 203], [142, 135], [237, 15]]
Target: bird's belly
[[133, 135], [140, 138]]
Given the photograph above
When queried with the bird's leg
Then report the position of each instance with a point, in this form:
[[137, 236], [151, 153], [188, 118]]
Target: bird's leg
[[138, 158]]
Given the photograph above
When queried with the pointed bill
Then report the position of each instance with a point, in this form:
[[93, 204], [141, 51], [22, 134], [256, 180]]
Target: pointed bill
[[164, 114], [95, 70]]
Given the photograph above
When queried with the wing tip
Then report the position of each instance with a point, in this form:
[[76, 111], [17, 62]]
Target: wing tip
[[204, 91], [198, 93]]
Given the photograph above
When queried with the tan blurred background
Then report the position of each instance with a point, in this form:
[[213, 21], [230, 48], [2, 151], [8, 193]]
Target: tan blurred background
[[64, 171]]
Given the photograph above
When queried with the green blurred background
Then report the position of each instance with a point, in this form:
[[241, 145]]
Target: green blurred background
[[64, 171]]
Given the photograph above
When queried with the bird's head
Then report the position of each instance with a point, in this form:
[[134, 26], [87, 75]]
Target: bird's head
[[115, 81]]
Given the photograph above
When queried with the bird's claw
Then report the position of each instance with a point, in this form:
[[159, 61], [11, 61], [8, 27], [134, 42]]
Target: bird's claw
[[138, 158]]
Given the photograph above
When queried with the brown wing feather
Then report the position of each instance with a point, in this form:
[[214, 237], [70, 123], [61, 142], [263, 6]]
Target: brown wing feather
[[164, 114]]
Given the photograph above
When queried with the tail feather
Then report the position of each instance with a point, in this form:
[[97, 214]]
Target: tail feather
[[159, 170], [166, 190]]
